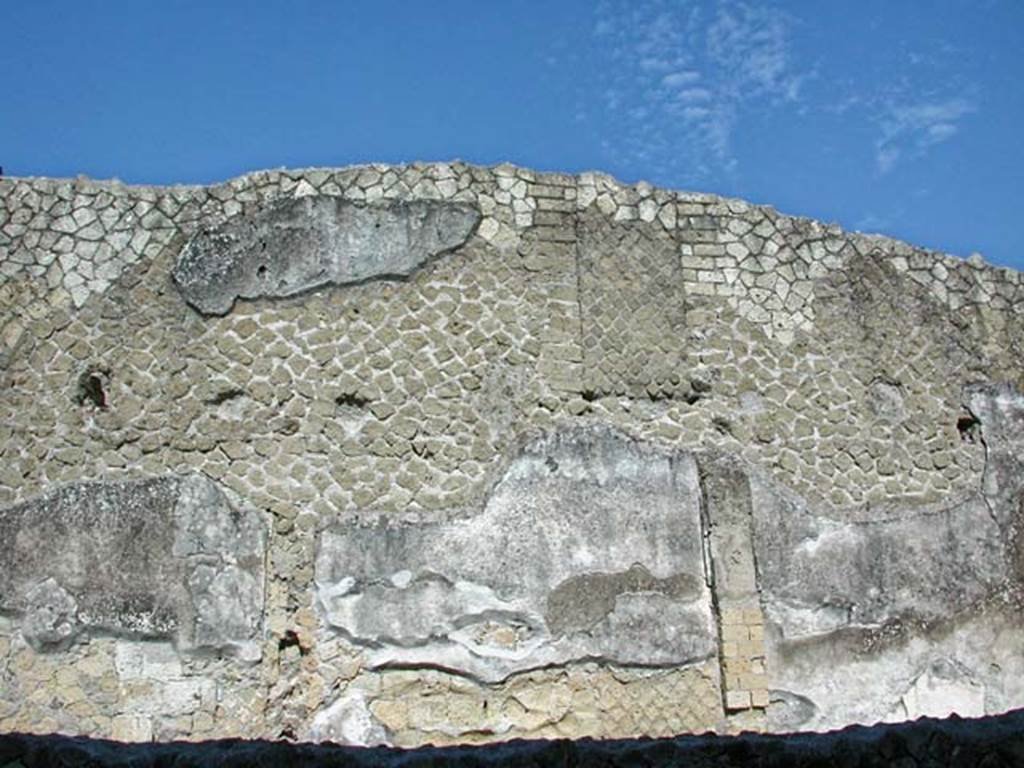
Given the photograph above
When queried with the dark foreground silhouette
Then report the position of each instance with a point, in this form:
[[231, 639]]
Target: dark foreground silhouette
[[988, 742]]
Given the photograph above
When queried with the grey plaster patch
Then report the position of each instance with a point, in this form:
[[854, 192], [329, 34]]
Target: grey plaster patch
[[580, 602], [170, 557], [727, 500], [50, 616], [588, 547], [819, 572], [294, 245], [790, 711]]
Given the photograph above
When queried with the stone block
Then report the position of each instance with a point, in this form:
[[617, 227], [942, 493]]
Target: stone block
[[734, 633], [173, 556], [737, 700], [297, 244], [547, 190], [131, 728], [555, 234]]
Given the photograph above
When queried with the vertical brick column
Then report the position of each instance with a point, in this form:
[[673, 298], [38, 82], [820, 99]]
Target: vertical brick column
[[741, 630], [549, 251], [727, 506]]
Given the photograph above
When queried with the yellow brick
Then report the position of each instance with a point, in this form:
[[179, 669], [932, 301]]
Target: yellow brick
[[756, 632], [753, 616], [732, 616], [735, 633], [730, 649], [752, 681], [738, 665], [737, 700], [751, 648], [759, 697]]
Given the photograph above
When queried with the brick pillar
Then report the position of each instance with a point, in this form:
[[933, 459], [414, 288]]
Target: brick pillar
[[727, 506]]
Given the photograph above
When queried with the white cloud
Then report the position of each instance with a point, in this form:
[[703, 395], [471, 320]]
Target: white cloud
[[698, 70], [912, 129], [941, 132], [886, 158], [696, 113], [677, 79], [690, 95], [685, 77], [752, 44]]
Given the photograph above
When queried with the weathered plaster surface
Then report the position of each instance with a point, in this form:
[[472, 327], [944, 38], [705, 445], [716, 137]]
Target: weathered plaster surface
[[171, 557], [310, 241], [588, 547], [441, 453]]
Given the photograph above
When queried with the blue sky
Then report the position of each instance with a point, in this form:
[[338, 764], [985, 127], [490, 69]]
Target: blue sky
[[894, 116]]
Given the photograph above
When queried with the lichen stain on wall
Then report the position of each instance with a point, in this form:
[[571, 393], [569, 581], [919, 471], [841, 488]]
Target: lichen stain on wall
[[440, 453]]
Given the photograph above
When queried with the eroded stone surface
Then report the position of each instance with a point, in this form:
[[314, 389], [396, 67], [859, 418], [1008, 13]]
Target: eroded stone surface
[[169, 557], [297, 244], [588, 547]]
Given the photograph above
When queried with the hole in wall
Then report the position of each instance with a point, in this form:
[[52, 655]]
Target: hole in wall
[[225, 395], [422, 449], [351, 400], [261, 271], [287, 426], [290, 639], [665, 395], [93, 388], [722, 425], [700, 386], [969, 427]]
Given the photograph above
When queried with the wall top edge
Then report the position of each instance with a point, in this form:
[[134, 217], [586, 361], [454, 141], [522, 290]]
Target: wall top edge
[[445, 169]]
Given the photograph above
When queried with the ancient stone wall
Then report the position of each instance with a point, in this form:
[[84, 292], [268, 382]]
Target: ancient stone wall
[[441, 453]]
